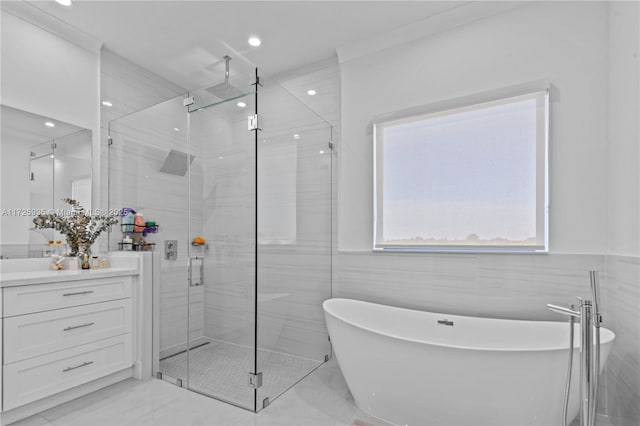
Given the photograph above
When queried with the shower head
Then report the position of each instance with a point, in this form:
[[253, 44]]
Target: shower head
[[176, 163], [225, 90]]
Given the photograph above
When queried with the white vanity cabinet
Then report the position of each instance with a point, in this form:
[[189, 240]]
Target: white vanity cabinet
[[65, 332]]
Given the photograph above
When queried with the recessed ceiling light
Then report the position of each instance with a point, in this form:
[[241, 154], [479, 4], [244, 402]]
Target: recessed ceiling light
[[220, 158], [254, 41], [51, 155], [107, 103], [64, 2], [176, 129], [49, 124], [241, 104], [296, 136], [321, 152], [311, 92]]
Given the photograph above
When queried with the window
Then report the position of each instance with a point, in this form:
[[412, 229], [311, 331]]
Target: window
[[469, 178], [277, 191]]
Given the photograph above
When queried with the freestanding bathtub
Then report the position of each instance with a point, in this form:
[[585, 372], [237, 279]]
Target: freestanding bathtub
[[420, 368]]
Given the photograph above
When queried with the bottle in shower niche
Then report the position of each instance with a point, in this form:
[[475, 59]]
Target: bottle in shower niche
[[138, 223], [127, 243], [127, 222]]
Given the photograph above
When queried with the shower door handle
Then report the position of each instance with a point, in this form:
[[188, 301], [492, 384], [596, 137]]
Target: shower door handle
[[200, 280]]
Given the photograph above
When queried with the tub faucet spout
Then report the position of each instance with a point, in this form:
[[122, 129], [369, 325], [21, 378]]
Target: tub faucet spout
[[563, 310]]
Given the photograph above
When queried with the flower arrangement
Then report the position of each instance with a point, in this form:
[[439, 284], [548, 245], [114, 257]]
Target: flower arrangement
[[81, 229]]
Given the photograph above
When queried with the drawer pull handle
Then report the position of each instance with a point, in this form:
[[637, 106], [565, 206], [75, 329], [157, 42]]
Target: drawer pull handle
[[78, 292], [79, 326], [84, 364]]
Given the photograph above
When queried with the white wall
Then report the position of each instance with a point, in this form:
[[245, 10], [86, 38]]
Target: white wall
[[15, 192], [589, 52], [50, 76], [622, 285], [47, 75], [624, 133], [565, 42]]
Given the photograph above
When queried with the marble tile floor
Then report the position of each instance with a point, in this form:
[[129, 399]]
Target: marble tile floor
[[320, 399]]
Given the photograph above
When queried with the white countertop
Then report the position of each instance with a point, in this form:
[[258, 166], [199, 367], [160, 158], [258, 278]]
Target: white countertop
[[11, 279]]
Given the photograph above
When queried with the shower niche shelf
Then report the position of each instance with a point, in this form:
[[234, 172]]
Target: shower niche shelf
[[128, 228], [138, 242], [137, 247]]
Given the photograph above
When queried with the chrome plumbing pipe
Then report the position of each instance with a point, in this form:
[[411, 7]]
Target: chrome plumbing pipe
[[597, 319], [567, 386], [586, 369]]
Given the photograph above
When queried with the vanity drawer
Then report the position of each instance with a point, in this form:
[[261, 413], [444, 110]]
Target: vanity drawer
[[39, 377], [43, 297], [28, 336]]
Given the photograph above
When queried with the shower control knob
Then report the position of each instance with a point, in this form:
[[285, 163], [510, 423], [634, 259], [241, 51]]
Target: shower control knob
[[171, 249]]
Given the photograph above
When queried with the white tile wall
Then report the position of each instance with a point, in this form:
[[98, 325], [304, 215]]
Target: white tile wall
[[622, 315], [514, 286]]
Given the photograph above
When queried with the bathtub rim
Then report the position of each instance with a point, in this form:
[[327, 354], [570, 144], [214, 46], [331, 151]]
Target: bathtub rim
[[607, 336]]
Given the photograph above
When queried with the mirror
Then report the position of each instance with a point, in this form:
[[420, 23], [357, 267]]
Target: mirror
[[40, 165]]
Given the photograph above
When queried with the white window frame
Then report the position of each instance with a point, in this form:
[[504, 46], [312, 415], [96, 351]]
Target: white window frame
[[452, 107]]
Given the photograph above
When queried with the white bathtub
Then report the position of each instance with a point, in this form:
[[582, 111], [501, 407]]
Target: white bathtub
[[404, 367]]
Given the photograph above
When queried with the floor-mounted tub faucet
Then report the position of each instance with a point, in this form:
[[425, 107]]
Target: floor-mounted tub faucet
[[590, 320]]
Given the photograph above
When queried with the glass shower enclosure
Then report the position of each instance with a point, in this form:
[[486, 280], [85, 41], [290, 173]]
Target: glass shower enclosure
[[237, 178]]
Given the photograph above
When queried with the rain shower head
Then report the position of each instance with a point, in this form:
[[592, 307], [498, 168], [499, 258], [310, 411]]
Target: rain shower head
[[225, 90], [176, 163]]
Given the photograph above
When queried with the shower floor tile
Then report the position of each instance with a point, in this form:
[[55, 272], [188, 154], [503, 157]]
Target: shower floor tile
[[221, 369]]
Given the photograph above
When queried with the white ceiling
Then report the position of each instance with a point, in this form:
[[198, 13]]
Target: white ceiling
[[184, 41]]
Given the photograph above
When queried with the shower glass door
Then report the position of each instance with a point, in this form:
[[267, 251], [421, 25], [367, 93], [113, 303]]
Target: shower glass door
[[294, 240], [191, 169], [147, 163], [221, 250], [244, 234]]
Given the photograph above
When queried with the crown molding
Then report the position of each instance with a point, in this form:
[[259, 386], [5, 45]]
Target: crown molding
[[461, 15], [41, 19]]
